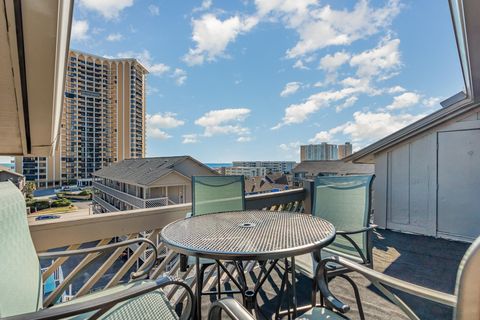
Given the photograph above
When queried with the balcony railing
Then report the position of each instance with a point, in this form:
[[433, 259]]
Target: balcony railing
[[103, 229], [135, 202]]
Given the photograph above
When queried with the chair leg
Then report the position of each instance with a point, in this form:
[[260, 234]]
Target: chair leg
[[219, 283], [357, 295]]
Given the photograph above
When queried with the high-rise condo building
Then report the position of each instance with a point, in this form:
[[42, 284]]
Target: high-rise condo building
[[344, 150], [103, 121], [325, 151]]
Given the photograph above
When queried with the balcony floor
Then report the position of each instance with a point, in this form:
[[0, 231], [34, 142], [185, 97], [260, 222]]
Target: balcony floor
[[421, 260]]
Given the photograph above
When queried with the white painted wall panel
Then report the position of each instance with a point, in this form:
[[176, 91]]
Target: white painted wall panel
[[398, 186], [380, 187], [459, 184]]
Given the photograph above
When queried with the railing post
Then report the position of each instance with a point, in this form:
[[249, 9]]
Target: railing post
[[309, 186]]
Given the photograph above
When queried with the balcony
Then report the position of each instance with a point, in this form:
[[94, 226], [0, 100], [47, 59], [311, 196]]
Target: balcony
[[130, 199], [400, 255]]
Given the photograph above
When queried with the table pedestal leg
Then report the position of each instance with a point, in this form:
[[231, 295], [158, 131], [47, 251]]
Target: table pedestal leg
[[199, 289]]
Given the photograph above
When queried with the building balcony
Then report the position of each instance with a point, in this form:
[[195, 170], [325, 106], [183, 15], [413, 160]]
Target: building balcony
[[395, 254], [129, 199]]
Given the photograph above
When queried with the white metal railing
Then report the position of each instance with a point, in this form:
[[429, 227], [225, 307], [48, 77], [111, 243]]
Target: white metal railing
[[107, 206], [156, 202], [137, 203]]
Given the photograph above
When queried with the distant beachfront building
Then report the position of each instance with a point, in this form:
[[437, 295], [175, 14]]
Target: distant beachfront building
[[270, 166], [146, 183], [103, 121], [246, 171], [325, 151], [6, 174]]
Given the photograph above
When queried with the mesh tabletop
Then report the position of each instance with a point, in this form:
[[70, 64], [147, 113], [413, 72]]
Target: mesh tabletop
[[248, 235]]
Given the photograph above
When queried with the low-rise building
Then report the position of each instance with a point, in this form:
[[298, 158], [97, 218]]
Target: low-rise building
[[271, 166], [262, 184], [146, 183], [6, 174], [246, 171], [312, 169]]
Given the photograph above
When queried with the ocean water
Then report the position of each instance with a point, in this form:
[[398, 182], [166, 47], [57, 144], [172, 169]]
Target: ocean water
[[218, 165], [8, 165]]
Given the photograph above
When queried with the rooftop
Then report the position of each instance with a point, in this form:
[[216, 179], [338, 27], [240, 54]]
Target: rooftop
[[144, 171]]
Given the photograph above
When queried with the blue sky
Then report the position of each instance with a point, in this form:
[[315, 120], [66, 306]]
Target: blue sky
[[239, 80]]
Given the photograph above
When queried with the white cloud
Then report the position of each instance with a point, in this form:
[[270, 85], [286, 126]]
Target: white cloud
[[114, 37], [157, 122], [224, 121], [368, 127], [300, 65], [156, 133], [432, 101], [290, 88], [330, 62], [299, 112], [153, 10], [146, 59], [396, 89], [322, 136], [213, 35], [190, 138], [180, 76], [291, 147], [347, 104], [109, 9], [379, 60], [244, 139], [319, 27], [404, 100], [165, 120], [206, 4], [80, 30]]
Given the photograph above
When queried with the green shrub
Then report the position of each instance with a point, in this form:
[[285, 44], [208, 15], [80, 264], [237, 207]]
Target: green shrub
[[38, 204], [61, 203], [85, 192]]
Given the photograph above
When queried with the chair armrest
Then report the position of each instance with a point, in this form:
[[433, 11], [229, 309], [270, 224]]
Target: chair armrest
[[321, 281], [103, 304], [104, 249], [369, 228], [379, 278], [231, 307]]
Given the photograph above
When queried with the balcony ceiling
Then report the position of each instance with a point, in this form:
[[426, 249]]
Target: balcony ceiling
[[34, 41]]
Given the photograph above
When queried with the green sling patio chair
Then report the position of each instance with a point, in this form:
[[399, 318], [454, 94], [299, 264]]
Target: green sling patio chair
[[345, 201], [466, 300], [213, 194], [21, 294]]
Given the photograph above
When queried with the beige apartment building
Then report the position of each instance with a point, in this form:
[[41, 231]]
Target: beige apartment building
[[103, 121], [325, 151]]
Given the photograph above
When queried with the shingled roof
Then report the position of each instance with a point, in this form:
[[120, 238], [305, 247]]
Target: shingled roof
[[144, 171]]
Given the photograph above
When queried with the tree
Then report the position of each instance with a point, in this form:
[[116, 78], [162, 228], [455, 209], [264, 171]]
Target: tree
[[29, 188]]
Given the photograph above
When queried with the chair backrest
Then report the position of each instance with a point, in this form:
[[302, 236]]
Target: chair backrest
[[217, 194], [20, 276], [345, 201], [468, 284]]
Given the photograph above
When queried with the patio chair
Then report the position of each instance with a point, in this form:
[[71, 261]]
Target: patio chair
[[466, 300], [21, 294], [213, 194], [345, 201]]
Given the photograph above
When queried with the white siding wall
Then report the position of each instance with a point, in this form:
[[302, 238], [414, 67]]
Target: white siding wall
[[406, 182]]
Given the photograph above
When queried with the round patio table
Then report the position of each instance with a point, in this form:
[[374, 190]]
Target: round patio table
[[248, 235]]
